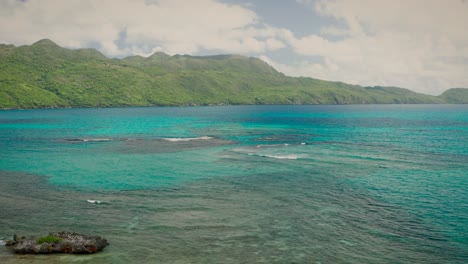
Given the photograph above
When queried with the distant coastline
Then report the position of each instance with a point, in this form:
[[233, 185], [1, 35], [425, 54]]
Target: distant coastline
[[211, 105], [45, 75]]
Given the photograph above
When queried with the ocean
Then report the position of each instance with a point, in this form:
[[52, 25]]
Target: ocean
[[240, 184]]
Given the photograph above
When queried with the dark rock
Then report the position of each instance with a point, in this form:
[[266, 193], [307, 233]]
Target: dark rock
[[11, 242], [70, 243]]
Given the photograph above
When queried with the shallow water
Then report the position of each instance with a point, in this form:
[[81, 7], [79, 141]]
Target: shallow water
[[241, 184]]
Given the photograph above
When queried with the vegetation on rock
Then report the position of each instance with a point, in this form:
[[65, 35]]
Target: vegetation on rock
[[48, 239]]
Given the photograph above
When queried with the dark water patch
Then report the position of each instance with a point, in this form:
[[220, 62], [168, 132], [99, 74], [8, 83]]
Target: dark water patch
[[253, 218], [282, 217], [170, 145], [29, 121]]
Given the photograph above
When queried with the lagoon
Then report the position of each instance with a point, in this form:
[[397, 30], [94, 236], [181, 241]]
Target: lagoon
[[241, 184]]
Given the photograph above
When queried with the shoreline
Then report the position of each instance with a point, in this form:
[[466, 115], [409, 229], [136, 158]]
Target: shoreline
[[214, 105]]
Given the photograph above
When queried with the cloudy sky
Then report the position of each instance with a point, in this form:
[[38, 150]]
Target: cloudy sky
[[417, 44]]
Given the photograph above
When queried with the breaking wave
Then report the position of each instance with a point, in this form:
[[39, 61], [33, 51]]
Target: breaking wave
[[88, 139], [186, 139], [288, 156]]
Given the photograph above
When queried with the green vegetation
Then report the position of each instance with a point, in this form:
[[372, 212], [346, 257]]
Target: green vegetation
[[456, 95], [47, 75], [49, 239]]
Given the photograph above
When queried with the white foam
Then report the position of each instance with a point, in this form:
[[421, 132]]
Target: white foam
[[94, 201], [290, 156], [96, 139], [89, 139], [272, 145], [2, 242], [187, 139], [279, 145]]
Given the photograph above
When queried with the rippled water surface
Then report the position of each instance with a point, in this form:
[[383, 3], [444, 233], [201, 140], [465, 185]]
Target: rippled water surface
[[241, 184]]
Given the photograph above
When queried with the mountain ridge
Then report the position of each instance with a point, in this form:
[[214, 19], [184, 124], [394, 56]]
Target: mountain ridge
[[45, 75]]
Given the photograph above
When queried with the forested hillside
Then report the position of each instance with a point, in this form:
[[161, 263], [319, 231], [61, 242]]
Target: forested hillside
[[47, 75]]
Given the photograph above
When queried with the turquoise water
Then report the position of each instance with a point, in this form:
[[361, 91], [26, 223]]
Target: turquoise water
[[241, 184]]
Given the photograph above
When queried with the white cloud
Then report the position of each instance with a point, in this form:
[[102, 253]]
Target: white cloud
[[417, 44], [175, 26], [274, 44], [428, 65]]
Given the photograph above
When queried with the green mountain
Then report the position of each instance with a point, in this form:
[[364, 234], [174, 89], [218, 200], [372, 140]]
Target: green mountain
[[456, 96], [47, 75]]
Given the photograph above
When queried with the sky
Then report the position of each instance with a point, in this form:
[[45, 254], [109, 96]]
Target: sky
[[421, 45]]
